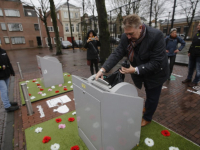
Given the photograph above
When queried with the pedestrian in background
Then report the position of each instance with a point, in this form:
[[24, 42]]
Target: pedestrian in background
[[194, 60], [171, 47], [6, 70], [92, 50]]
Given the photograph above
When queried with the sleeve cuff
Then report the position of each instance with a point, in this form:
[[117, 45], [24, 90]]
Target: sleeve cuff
[[137, 70]]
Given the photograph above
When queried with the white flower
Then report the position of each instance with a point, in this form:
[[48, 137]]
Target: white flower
[[173, 148], [74, 113], [55, 146], [36, 82], [65, 74], [53, 87], [149, 142], [69, 82], [27, 81], [38, 129], [27, 87], [71, 86], [32, 97], [44, 94]]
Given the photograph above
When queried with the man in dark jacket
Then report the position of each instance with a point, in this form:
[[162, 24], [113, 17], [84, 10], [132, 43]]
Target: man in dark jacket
[[145, 48], [194, 60], [6, 71], [171, 47]]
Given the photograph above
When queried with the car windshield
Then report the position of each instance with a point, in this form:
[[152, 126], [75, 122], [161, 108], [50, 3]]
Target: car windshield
[[66, 42], [77, 41]]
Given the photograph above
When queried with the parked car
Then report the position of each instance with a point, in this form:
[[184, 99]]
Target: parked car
[[183, 36], [78, 43], [117, 40], [66, 44]]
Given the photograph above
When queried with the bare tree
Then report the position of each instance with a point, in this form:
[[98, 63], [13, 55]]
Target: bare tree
[[190, 9]]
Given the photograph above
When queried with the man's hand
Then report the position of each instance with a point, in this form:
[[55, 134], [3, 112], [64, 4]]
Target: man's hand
[[167, 51], [96, 38], [89, 40], [4, 67], [127, 70], [189, 54], [176, 51], [100, 74]]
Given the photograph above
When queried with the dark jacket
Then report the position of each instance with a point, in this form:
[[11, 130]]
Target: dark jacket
[[149, 56], [171, 45], [4, 60], [195, 46]]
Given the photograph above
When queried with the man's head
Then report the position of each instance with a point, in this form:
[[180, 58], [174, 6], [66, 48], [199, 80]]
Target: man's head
[[132, 27], [198, 26], [173, 33]]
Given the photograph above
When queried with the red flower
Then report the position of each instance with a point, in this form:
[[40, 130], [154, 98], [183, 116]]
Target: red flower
[[38, 84], [76, 147], [71, 119], [29, 94], [68, 75], [33, 81], [165, 132], [46, 139], [41, 89], [56, 91], [65, 89], [58, 120]]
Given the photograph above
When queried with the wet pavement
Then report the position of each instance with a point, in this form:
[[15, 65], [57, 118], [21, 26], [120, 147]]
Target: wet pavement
[[178, 108]]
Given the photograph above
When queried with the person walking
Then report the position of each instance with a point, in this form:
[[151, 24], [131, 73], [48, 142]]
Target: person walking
[[145, 48], [92, 50], [6, 70], [194, 60], [171, 47]]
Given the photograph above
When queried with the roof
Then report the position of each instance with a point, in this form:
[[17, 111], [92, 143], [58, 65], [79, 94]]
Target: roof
[[176, 21]]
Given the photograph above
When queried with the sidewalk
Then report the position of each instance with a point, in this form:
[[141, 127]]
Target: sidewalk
[[178, 109]]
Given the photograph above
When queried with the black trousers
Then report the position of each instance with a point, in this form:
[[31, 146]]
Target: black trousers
[[95, 62], [171, 64], [152, 98]]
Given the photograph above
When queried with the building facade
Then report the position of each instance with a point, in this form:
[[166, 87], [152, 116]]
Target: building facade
[[19, 26]]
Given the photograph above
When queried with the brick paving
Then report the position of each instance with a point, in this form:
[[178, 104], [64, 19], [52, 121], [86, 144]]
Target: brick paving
[[178, 109]]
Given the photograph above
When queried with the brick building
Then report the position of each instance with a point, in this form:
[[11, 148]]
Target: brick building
[[19, 26], [51, 29], [181, 25]]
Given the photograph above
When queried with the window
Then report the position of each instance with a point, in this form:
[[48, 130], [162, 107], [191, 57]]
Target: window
[[66, 28], [71, 15], [3, 26], [164, 30], [46, 39], [58, 29], [36, 26], [72, 27], [30, 12], [15, 27], [7, 41], [77, 27], [61, 39], [88, 28], [178, 30], [76, 15], [54, 39], [65, 14], [18, 40], [185, 29], [58, 16], [12, 13], [1, 13], [50, 29], [51, 20]]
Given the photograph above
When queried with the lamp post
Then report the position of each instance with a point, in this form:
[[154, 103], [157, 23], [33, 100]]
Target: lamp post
[[70, 26], [168, 22]]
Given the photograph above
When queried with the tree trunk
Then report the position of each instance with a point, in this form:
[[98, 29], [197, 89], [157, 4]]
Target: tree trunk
[[103, 30], [48, 35], [54, 21]]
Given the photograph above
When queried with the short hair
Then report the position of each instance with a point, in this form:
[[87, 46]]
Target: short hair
[[172, 30], [132, 21]]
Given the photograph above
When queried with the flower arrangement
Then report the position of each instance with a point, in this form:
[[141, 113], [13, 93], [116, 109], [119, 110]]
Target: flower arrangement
[[61, 126], [49, 89], [46, 139], [38, 129], [71, 119], [149, 142], [55, 146], [58, 120]]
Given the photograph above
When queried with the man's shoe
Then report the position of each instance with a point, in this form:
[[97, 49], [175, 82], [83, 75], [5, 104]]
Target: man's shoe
[[13, 103], [12, 108], [144, 109], [144, 122], [192, 84], [186, 81]]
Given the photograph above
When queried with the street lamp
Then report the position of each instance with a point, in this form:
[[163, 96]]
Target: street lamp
[[70, 26], [168, 22]]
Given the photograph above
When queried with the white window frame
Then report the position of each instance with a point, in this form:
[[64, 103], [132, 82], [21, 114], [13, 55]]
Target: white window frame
[[61, 39], [1, 12], [71, 15], [65, 14], [38, 26], [51, 28], [47, 41], [11, 14], [29, 13], [10, 27], [14, 42], [67, 27], [6, 37], [76, 15], [54, 40], [4, 26], [77, 27], [72, 27], [58, 17]]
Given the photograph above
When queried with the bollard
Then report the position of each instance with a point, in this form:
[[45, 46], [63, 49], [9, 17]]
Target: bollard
[[27, 99], [20, 71]]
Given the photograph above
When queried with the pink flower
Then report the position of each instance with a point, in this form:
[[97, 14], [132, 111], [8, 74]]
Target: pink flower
[[39, 92], [78, 118], [60, 85], [64, 86], [61, 126], [34, 79], [39, 86], [49, 89]]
